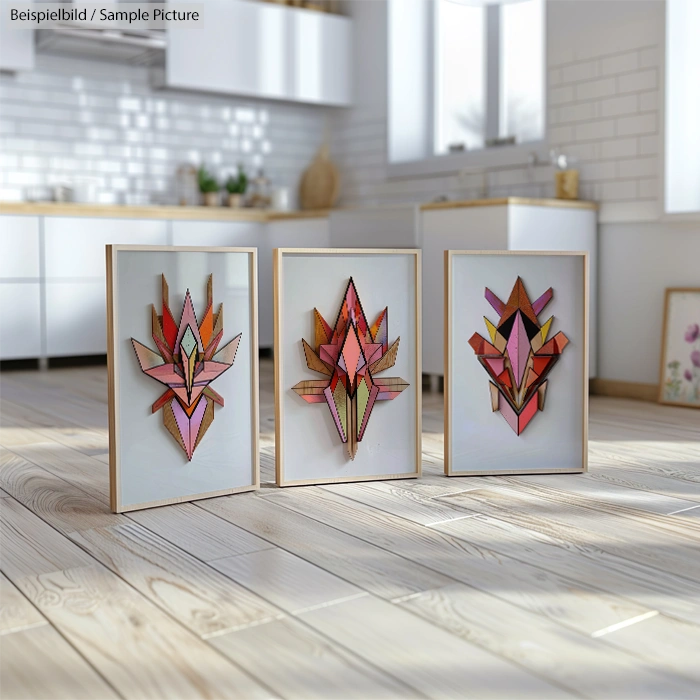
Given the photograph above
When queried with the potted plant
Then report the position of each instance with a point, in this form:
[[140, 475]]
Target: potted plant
[[208, 186], [236, 186]]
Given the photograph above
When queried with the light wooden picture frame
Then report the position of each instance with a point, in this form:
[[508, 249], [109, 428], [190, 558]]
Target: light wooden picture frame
[[478, 441], [679, 369], [308, 447], [147, 466]]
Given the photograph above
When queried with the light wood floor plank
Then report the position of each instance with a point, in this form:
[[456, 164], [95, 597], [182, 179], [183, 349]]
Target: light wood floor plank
[[371, 568], [564, 517], [38, 664], [573, 660], [297, 662], [416, 510], [436, 663], [588, 564], [623, 499], [31, 546], [199, 532], [137, 648], [193, 593], [16, 612], [59, 503], [532, 588], [86, 473], [286, 580]]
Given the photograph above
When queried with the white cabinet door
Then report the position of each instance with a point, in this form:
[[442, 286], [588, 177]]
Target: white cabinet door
[[16, 44], [242, 48], [75, 277], [257, 49], [20, 288], [321, 53], [76, 318], [20, 320], [75, 247], [19, 246]]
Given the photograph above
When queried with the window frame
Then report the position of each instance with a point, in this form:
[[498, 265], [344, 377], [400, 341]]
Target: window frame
[[487, 157]]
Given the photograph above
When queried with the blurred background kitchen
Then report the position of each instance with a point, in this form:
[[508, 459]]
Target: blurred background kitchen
[[559, 124]]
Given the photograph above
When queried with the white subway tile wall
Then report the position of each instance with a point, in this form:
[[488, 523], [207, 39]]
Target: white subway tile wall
[[603, 110], [73, 120]]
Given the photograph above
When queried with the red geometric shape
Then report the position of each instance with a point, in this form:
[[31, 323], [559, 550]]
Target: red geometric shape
[[169, 327], [527, 413], [504, 378], [540, 364], [481, 346]]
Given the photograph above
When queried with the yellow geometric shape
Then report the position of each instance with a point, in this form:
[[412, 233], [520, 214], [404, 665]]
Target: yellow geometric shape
[[491, 329], [545, 329]]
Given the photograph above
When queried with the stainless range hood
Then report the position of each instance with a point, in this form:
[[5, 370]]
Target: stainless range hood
[[117, 42]]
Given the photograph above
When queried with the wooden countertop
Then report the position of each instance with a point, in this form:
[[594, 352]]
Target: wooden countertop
[[502, 201], [115, 211]]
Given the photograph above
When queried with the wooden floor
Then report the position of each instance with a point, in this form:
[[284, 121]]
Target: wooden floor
[[534, 587]]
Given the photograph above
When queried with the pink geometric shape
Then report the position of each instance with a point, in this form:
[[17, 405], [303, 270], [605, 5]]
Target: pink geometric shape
[[189, 425], [495, 364], [508, 413], [351, 353], [518, 348]]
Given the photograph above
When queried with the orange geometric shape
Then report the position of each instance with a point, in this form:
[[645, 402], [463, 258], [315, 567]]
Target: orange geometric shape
[[206, 327]]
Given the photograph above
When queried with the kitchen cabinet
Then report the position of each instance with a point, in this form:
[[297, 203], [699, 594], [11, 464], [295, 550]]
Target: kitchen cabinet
[[20, 288], [16, 43], [264, 50]]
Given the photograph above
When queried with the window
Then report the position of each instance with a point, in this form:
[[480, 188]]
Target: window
[[477, 78]]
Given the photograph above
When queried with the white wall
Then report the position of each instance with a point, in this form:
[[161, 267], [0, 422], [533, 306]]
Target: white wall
[[605, 60]]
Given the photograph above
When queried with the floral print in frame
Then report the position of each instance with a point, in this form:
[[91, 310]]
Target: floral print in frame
[[680, 353]]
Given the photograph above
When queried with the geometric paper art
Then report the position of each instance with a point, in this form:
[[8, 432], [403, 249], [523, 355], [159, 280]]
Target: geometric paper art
[[518, 357], [188, 359], [350, 355]]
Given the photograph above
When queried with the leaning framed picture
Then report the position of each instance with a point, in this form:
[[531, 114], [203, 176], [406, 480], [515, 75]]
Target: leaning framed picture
[[347, 365], [182, 357], [679, 383], [516, 362]]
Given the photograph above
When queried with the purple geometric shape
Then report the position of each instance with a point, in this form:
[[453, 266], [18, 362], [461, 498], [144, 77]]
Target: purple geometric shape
[[538, 305], [498, 306], [518, 348]]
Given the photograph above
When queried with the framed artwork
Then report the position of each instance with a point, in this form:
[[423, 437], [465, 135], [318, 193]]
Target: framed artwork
[[182, 356], [347, 365], [516, 362], [679, 383]]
